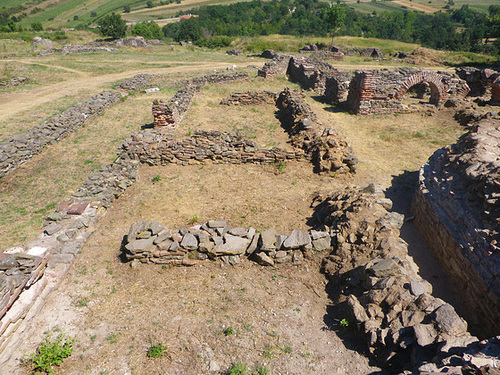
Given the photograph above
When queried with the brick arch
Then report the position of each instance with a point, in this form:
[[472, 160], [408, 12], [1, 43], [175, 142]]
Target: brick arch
[[438, 90]]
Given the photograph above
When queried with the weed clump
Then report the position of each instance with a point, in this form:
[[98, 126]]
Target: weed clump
[[157, 351], [51, 353]]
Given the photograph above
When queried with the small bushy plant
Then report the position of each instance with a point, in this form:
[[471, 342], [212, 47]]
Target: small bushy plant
[[51, 353]]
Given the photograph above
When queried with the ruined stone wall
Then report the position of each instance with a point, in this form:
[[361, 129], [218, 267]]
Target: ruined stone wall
[[23, 147], [215, 78], [151, 242], [381, 91], [276, 67], [216, 146], [327, 149], [171, 114], [142, 81], [251, 98], [456, 209]]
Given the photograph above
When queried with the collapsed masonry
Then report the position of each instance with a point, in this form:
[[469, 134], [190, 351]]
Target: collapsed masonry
[[250, 98], [483, 82], [457, 209], [328, 150], [374, 278]]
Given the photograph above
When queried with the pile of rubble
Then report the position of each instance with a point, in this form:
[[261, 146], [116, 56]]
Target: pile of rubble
[[406, 328], [326, 148]]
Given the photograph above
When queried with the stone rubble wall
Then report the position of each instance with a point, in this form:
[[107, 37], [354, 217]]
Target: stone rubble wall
[[327, 148], [277, 67], [142, 81], [70, 49], [456, 208], [250, 98], [171, 114], [151, 242], [406, 328], [216, 146], [215, 78], [381, 91], [482, 82], [23, 147]]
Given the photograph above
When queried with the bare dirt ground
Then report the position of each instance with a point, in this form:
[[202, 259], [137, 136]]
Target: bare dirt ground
[[279, 317], [416, 6]]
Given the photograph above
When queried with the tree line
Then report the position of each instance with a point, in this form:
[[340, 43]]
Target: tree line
[[460, 29]]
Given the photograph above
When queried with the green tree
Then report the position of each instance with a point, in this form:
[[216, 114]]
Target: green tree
[[112, 26], [148, 30], [126, 9], [334, 18], [150, 4]]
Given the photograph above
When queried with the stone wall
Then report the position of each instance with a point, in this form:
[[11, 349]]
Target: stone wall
[[456, 209], [141, 81], [153, 148], [381, 91], [277, 67], [23, 147], [171, 114], [327, 149], [151, 242], [215, 78], [251, 98]]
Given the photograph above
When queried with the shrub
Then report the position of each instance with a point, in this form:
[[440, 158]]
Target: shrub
[[37, 26], [51, 353], [148, 30], [217, 41]]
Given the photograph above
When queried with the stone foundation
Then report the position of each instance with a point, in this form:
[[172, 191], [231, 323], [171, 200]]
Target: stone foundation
[[250, 98], [151, 242], [23, 147]]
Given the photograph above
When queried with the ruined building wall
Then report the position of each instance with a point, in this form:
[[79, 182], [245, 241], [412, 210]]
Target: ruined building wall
[[381, 91], [456, 208]]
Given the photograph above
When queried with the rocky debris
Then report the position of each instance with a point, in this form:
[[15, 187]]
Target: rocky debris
[[69, 49], [251, 98], [142, 81], [326, 148], [407, 329], [14, 81], [333, 53], [154, 147], [381, 91], [234, 52], [23, 147], [268, 54], [136, 41], [150, 242], [43, 43], [276, 67], [309, 48], [215, 78], [171, 114], [456, 208], [469, 116]]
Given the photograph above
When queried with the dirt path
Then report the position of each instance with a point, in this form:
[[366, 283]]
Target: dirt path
[[12, 103]]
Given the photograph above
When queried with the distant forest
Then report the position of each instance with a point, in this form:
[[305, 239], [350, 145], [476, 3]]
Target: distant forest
[[457, 30], [452, 29]]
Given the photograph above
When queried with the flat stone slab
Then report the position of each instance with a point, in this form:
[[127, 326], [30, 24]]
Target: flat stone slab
[[77, 208], [138, 246], [297, 239], [189, 242]]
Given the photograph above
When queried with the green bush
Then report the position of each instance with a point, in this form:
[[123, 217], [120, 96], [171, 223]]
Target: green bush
[[217, 41], [112, 26], [51, 353]]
